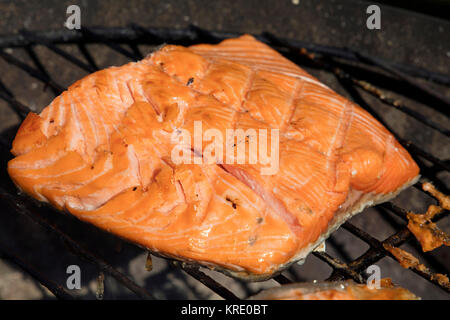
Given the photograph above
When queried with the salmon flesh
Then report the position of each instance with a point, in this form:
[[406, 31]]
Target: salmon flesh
[[342, 290], [104, 151]]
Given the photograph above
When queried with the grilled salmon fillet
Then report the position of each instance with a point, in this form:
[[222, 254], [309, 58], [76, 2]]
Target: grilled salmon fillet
[[342, 290], [102, 151]]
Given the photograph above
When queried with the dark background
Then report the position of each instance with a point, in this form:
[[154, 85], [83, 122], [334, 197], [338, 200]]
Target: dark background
[[412, 37], [437, 8], [406, 37]]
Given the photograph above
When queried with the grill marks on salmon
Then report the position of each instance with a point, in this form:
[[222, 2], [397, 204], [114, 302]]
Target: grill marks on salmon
[[102, 151]]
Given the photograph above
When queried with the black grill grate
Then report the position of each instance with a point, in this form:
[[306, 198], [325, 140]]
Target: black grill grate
[[126, 41]]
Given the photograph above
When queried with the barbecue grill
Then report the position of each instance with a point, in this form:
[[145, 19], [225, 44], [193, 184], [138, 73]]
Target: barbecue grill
[[355, 72]]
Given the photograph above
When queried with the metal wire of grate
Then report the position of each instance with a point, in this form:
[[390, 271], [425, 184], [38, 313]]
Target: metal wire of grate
[[126, 41]]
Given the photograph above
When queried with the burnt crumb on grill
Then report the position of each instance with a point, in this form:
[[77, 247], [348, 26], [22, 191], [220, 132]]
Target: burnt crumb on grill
[[190, 81], [442, 279], [444, 200], [52, 120], [100, 286], [92, 167], [426, 232], [408, 261], [135, 188], [233, 204], [149, 262]]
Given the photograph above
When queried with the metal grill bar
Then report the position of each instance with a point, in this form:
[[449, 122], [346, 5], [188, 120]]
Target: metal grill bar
[[207, 281], [54, 288], [87, 55], [339, 267], [20, 109], [193, 34], [405, 78], [57, 89], [282, 279], [135, 35], [87, 32], [23, 206], [429, 259], [57, 50]]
